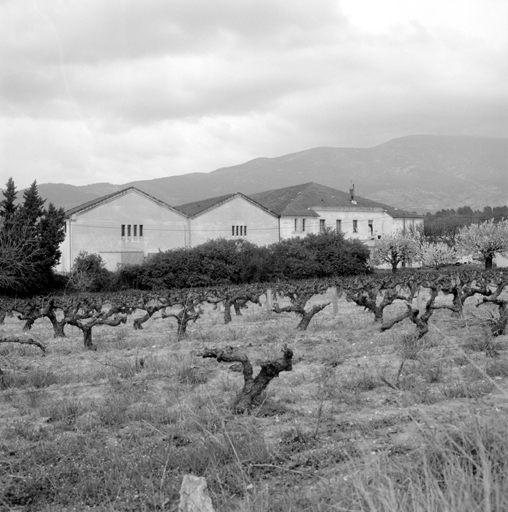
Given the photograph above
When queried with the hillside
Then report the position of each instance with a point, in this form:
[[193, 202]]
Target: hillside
[[419, 173]]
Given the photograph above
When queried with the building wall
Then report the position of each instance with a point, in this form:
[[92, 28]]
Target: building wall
[[363, 224], [292, 227], [500, 261], [262, 227], [99, 231]]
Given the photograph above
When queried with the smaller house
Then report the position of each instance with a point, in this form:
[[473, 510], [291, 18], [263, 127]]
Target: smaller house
[[313, 208], [232, 216]]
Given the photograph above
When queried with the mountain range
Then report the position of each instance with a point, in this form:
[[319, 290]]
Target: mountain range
[[418, 173]]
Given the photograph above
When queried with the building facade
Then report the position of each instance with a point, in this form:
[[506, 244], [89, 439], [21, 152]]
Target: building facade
[[313, 208], [128, 226], [233, 217], [124, 227]]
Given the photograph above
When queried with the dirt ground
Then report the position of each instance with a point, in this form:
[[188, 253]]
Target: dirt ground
[[354, 393]]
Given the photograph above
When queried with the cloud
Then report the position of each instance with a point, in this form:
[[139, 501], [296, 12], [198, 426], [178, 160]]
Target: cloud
[[96, 91]]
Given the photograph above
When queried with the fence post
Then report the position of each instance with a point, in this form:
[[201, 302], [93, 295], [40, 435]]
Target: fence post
[[269, 304], [335, 301]]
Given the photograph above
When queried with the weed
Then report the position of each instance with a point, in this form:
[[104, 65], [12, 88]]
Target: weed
[[497, 368], [190, 373], [465, 389], [361, 379], [62, 410], [35, 378]]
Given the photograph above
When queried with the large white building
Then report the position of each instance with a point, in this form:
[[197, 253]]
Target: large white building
[[129, 225]]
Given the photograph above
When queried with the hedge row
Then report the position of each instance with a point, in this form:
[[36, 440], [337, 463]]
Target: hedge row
[[224, 261]]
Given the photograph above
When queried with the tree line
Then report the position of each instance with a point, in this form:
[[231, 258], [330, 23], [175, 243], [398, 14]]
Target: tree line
[[446, 223]]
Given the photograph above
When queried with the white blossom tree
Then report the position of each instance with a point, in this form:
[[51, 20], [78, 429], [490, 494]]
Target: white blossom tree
[[483, 241], [436, 255], [393, 250]]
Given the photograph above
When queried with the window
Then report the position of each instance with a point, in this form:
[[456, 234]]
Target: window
[[338, 225], [355, 226], [371, 227], [238, 230], [299, 225], [322, 227], [131, 230]]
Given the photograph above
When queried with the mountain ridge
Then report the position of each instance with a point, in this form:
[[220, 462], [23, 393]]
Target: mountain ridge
[[417, 172]]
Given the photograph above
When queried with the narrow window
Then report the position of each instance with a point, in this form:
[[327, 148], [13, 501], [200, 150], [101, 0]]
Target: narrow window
[[241, 230], [236, 230], [128, 230], [123, 229], [296, 224], [245, 230], [303, 224], [371, 227], [321, 225], [232, 230], [338, 225], [141, 230], [355, 226], [135, 230]]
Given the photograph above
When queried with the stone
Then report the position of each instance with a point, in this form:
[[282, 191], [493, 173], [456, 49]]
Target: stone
[[194, 495]]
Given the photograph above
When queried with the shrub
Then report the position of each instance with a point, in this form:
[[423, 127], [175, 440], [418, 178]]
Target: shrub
[[89, 273], [222, 261]]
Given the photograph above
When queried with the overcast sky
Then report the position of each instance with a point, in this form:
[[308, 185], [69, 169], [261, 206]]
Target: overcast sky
[[120, 90]]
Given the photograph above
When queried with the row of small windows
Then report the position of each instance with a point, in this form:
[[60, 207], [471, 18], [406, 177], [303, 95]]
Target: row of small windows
[[238, 230], [132, 230]]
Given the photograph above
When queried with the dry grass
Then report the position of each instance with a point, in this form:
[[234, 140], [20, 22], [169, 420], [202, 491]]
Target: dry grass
[[365, 421]]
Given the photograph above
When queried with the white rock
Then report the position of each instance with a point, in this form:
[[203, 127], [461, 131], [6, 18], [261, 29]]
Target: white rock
[[194, 495]]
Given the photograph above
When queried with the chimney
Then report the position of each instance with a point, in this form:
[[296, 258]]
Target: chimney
[[352, 193]]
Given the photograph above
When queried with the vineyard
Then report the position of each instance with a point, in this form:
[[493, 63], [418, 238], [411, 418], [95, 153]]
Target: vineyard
[[379, 392]]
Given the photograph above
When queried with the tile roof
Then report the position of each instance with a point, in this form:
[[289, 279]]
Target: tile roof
[[299, 199], [104, 199], [198, 207]]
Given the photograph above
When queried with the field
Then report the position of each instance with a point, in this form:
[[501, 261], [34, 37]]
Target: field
[[365, 421]]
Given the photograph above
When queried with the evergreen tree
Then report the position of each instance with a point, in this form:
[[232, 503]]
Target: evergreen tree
[[8, 205], [29, 242], [32, 208]]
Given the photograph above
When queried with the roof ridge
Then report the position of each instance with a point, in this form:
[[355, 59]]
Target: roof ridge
[[96, 202]]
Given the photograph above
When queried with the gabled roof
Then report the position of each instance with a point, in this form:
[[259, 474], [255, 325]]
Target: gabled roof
[[299, 199], [90, 205], [199, 207]]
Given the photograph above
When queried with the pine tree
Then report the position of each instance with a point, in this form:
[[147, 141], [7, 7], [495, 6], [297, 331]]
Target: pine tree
[[32, 208], [51, 229], [29, 242], [8, 206]]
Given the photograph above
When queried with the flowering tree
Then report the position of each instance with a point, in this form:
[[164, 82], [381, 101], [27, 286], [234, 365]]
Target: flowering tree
[[436, 255], [483, 241], [393, 250]]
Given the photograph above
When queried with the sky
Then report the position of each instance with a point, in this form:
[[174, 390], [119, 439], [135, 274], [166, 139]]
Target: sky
[[122, 90]]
